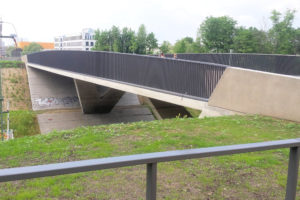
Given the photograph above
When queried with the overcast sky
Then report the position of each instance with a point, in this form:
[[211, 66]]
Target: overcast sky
[[41, 20]]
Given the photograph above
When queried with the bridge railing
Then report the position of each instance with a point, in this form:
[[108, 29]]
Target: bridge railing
[[179, 77], [151, 160], [281, 64]]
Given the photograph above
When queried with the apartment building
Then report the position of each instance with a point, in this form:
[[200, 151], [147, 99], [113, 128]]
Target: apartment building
[[83, 41]]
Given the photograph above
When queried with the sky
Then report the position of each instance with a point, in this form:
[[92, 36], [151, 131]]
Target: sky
[[42, 20]]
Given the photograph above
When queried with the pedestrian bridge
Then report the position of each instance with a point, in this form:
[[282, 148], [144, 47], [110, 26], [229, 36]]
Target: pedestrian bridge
[[214, 83]]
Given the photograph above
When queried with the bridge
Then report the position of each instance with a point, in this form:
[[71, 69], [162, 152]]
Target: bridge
[[217, 84]]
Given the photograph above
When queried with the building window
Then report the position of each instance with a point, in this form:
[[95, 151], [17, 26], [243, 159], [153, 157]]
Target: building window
[[86, 43], [92, 43]]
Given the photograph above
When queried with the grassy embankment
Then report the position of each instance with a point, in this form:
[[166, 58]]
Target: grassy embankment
[[14, 87], [11, 64], [260, 175]]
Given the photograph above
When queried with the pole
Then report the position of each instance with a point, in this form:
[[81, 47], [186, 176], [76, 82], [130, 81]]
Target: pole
[[292, 179], [1, 101], [230, 56], [1, 117], [7, 124], [151, 181], [0, 38]]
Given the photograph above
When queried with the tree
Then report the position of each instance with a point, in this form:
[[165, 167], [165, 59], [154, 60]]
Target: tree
[[9, 50], [282, 34], [217, 33], [127, 40], [109, 40], [102, 41], [151, 43], [115, 39], [180, 46], [251, 40], [165, 47], [140, 42], [297, 41], [187, 45], [32, 48]]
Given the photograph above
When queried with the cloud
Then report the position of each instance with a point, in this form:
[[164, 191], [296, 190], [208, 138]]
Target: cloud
[[168, 19]]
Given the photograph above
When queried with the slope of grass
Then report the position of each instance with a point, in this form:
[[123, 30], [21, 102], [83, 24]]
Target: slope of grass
[[260, 175], [15, 88], [11, 64]]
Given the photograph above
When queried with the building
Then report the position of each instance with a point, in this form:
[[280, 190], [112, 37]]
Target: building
[[45, 45], [83, 41]]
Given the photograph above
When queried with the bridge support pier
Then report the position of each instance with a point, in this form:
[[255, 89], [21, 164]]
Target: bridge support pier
[[95, 98]]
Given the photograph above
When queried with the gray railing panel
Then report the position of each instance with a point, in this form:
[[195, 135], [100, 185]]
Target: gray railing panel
[[193, 75], [181, 77], [122, 161], [281, 64]]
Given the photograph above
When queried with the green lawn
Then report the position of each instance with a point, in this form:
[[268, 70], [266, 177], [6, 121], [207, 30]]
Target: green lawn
[[260, 175]]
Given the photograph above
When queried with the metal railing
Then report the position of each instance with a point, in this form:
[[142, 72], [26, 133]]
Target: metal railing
[[190, 75], [191, 79], [151, 160], [281, 64]]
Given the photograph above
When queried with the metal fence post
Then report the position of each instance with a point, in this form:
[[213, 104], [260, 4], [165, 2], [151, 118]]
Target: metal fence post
[[291, 186], [151, 181]]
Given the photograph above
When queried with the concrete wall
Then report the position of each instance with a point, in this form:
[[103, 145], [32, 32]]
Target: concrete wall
[[51, 91], [256, 92]]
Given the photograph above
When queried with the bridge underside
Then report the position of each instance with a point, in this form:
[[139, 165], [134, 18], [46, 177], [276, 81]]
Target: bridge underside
[[95, 98]]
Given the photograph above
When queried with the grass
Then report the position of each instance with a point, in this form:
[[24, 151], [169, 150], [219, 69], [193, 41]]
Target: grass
[[260, 175], [11, 64], [24, 123]]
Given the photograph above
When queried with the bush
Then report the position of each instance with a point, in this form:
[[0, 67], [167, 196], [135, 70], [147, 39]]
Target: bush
[[23, 123]]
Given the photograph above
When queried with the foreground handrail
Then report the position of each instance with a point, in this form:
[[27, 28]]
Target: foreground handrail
[[151, 159]]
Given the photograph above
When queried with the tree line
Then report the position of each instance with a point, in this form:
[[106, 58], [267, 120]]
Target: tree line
[[215, 35], [126, 40]]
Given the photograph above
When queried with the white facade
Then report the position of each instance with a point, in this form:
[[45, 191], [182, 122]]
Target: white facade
[[83, 41]]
